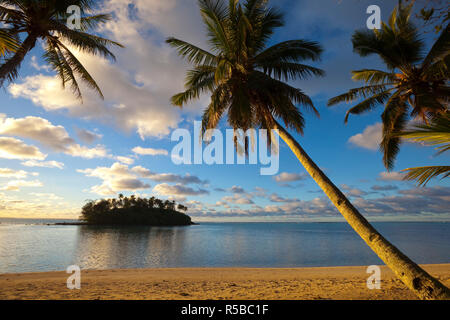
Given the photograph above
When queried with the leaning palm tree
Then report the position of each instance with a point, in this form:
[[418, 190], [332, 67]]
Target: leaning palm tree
[[35, 20], [414, 86], [436, 133], [246, 80]]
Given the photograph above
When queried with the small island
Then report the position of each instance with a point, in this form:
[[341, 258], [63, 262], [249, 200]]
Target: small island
[[133, 211]]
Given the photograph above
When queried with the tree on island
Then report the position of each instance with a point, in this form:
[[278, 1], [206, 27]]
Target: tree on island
[[246, 80], [134, 211]]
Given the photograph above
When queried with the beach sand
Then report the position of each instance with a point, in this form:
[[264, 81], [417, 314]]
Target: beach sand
[[217, 284]]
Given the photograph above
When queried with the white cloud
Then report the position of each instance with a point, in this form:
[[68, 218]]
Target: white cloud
[[11, 148], [125, 160], [54, 137], [290, 177], [10, 173], [370, 138], [43, 164], [391, 176], [15, 185], [237, 199], [138, 86], [177, 190], [116, 178], [150, 151], [88, 153], [167, 177]]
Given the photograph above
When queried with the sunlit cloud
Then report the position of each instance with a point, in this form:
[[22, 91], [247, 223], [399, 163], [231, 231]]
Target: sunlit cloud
[[370, 138], [12, 148]]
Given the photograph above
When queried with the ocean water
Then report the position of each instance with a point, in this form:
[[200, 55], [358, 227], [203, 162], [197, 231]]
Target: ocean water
[[29, 247]]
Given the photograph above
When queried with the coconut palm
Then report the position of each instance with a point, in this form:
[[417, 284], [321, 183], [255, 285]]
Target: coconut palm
[[247, 81], [414, 86], [436, 133], [7, 43], [46, 20]]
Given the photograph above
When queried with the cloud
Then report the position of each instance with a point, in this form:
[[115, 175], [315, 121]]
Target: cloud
[[167, 177], [87, 136], [138, 86], [116, 178], [42, 205], [290, 177], [119, 177], [178, 190], [11, 148], [15, 185], [276, 198], [150, 151], [237, 189], [43, 164], [19, 174], [353, 192], [238, 199], [370, 138], [391, 176], [125, 160], [54, 137], [384, 188], [46, 195]]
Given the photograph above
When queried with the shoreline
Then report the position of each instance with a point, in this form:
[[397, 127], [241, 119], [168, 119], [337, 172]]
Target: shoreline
[[336, 283]]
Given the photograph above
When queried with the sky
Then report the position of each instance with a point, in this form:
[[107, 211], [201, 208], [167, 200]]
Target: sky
[[56, 152]]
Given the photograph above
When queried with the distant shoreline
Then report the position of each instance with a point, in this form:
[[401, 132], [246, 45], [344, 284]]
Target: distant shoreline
[[336, 283], [114, 225]]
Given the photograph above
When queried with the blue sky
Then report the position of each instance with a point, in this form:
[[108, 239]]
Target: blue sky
[[56, 152]]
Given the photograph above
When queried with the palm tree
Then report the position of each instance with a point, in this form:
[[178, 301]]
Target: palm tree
[[246, 80], [436, 133], [7, 43], [413, 86], [46, 21]]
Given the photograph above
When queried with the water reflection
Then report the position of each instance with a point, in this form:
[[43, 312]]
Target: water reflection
[[119, 247], [28, 248]]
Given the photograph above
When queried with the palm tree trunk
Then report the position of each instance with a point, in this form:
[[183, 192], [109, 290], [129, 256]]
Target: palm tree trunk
[[9, 69], [413, 276]]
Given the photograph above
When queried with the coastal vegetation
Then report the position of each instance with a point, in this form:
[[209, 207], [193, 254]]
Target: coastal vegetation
[[27, 21], [414, 86], [436, 133], [134, 211], [247, 82]]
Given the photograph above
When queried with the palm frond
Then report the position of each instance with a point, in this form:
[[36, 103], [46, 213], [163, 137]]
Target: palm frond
[[369, 104], [192, 53], [374, 77], [394, 118], [423, 175], [8, 43], [436, 133], [358, 93], [440, 49]]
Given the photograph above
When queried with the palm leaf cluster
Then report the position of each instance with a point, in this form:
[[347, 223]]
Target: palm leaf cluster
[[436, 133], [27, 21], [246, 78], [414, 86], [7, 43]]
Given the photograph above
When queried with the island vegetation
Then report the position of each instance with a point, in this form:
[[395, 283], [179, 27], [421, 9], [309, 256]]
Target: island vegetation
[[134, 211]]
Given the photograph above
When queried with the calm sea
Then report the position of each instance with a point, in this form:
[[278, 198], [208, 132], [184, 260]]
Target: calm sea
[[29, 247]]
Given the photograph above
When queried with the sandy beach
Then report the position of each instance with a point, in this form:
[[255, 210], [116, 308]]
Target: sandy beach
[[346, 283]]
